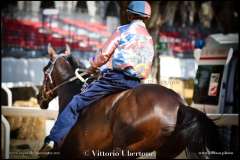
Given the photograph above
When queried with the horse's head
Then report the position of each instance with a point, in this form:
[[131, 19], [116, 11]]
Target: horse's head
[[60, 68]]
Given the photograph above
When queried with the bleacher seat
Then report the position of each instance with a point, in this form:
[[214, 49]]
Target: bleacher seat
[[25, 34]]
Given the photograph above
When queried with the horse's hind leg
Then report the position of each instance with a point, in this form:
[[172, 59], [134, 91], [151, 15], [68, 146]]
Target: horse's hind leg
[[139, 145], [163, 150], [143, 147]]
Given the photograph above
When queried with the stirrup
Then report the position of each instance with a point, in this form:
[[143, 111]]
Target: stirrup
[[46, 148]]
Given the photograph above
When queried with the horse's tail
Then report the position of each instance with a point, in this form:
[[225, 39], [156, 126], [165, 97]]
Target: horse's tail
[[200, 133]]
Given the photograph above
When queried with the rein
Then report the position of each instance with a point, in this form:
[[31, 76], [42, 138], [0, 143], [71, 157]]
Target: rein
[[51, 67], [76, 76]]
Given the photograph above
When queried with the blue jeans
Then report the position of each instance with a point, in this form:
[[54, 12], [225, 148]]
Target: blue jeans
[[110, 82]]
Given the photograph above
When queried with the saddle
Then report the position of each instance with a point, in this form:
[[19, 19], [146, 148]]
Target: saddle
[[90, 79]]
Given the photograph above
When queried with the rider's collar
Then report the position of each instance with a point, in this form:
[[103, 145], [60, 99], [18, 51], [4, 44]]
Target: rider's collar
[[138, 22]]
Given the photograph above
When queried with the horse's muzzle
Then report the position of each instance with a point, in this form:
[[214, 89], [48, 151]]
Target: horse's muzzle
[[42, 103]]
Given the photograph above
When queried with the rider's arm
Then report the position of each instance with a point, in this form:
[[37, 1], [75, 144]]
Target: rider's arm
[[106, 52]]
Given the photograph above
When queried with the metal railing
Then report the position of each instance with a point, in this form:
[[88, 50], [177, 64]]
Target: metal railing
[[7, 85], [224, 119], [21, 111], [29, 112], [6, 134], [9, 94]]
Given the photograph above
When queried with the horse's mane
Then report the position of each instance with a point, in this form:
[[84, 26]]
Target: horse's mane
[[75, 61]]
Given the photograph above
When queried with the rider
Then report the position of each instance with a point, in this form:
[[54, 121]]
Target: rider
[[124, 60]]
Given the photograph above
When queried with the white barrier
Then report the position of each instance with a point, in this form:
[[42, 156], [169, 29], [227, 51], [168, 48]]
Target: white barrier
[[6, 87], [6, 137], [9, 94], [29, 112], [21, 111]]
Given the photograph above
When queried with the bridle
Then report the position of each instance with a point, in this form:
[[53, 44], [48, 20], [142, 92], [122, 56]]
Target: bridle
[[48, 72]]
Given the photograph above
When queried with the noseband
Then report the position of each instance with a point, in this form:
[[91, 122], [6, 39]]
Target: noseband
[[73, 78]]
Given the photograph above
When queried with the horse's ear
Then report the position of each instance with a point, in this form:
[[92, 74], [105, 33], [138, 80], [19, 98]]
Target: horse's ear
[[51, 52], [67, 50]]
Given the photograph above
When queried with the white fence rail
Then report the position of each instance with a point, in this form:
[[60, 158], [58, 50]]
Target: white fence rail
[[20, 111], [29, 112], [6, 137], [9, 94], [7, 85]]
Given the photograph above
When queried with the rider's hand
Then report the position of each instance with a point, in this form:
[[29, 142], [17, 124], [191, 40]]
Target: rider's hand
[[91, 70]]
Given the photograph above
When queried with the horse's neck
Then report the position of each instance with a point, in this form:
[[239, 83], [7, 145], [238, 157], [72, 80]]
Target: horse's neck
[[66, 93]]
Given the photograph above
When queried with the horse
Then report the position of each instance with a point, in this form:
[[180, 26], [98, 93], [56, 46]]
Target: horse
[[147, 118]]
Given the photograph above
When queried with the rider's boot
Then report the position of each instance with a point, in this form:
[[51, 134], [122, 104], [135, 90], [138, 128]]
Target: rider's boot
[[45, 150]]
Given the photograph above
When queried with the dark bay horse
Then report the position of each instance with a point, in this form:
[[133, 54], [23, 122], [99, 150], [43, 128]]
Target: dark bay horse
[[147, 118]]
